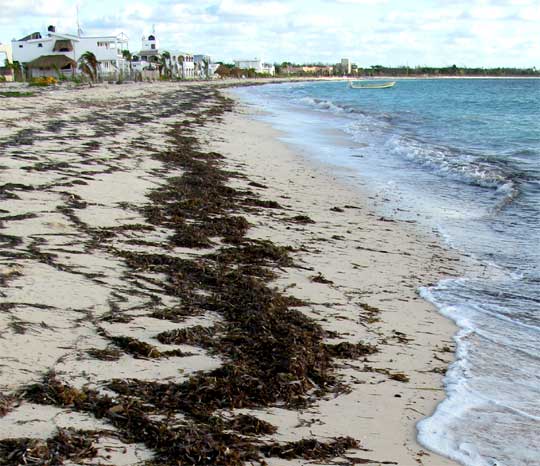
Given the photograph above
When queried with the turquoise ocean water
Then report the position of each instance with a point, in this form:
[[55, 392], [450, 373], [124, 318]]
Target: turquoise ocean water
[[461, 157]]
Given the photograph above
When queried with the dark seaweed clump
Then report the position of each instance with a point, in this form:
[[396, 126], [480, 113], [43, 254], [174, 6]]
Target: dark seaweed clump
[[66, 445], [6, 404], [346, 350]]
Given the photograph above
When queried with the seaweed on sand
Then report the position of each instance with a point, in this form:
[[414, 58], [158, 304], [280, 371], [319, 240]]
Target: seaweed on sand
[[311, 449], [255, 252], [302, 220], [106, 354], [141, 349], [66, 445], [246, 424], [205, 440], [177, 313], [346, 350], [265, 204], [319, 278], [6, 404], [16, 94], [197, 336], [273, 355]]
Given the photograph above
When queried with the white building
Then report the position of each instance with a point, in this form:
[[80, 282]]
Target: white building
[[42, 55], [346, 65], [148, 57], [186, 64], [179, 65], [5, 58], [257, 65]]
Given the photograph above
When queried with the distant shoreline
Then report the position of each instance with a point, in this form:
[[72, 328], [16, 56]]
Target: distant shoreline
[[385, 77]]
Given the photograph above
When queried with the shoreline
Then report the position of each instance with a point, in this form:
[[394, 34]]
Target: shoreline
[[114, 290], [282, 166]]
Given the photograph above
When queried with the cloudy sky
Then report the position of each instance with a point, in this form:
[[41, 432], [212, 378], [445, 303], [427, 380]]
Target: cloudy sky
[[370, 32]]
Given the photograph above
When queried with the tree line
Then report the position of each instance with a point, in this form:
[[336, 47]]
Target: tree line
[[289, 68]]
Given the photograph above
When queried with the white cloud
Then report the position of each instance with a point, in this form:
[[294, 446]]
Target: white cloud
[[257, 10], [471, 32], [362, 2]]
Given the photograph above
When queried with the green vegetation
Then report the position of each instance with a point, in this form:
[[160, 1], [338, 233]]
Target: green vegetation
[[454, 70], [43, 81], [88, 64], [227, 70], [16, 94], [318, 69]]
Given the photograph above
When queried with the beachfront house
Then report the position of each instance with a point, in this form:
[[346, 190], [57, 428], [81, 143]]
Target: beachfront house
[[146, 63], [148, 57], [181, 65], [257, 65], [186, 65], [55, 54], [151, 61], [6, 58]]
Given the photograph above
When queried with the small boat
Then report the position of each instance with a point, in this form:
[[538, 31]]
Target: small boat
[[372, 85]]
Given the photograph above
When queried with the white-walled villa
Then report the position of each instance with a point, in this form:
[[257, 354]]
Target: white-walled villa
[[45, 54]]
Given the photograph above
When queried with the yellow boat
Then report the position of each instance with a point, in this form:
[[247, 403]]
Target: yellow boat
[[372, 86]]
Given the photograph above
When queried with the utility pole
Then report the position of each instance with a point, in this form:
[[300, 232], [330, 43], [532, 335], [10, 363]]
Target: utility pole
[[79, 30]]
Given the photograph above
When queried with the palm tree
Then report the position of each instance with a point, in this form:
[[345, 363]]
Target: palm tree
[[88, 64], [164, 62], [129, 57], [206, 68], [181, 63], [16, 68]]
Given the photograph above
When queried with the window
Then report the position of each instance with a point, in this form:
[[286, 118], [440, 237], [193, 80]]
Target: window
[[103, 44], [40, 45], [20, 46]]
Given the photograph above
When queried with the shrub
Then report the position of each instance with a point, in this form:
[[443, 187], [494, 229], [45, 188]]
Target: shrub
[[44, 81]]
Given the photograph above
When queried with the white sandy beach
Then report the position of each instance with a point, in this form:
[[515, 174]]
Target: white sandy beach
[[371, 261], [359, 273]]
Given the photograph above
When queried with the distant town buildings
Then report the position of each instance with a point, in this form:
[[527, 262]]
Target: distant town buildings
[[257, 65], [312, 70], [58, 55], [53, 52]]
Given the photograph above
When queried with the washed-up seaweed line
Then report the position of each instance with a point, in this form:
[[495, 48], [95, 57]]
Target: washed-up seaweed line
[[273, 354]]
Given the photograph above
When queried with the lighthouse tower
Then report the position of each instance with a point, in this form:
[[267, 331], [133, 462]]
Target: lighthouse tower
[[149, 48], [150, 43]]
